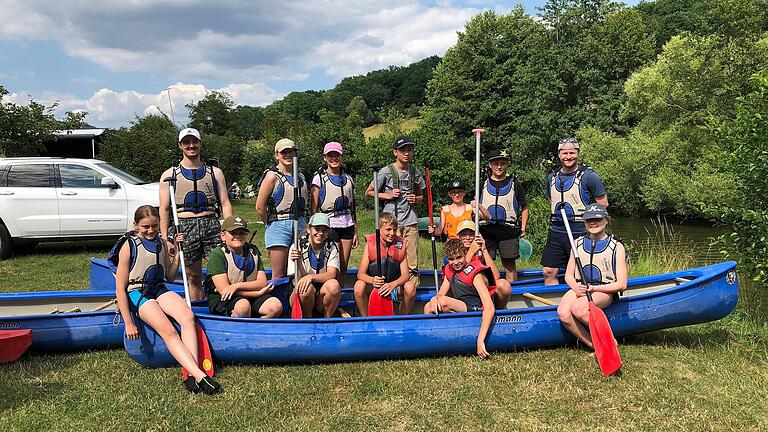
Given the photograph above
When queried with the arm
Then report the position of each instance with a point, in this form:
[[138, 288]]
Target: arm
[[441, 226], [315, 198], [221, 185], [621, 274], [265, 190], [481, 285], [121, 285], [172, 258], [570, 277], [523, 220], [362, 271], [484, 215], [256, 287], [165, 204], [602, 200]]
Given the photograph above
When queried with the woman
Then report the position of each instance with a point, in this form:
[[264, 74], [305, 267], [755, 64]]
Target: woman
[[603, 258], [275, 206], [333, 193], [144, 263]]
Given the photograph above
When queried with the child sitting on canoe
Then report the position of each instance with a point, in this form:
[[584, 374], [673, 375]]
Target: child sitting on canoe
[[468, 283], [603, 258], [143, 264], [319, 264], [236, 284], [394, 267], [474, 248]]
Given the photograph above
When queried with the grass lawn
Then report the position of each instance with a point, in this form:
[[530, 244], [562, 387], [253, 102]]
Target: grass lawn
[[708, 377], [407, 126]]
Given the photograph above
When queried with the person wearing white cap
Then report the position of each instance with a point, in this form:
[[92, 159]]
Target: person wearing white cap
[[275, 206], [201, 198], [333, 193], [319, 264], [573, 187]]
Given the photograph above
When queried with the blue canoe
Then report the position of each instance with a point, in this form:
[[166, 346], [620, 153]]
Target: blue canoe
[[650, 303]]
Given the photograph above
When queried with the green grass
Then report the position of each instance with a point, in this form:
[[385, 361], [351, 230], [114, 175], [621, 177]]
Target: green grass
[[376, 130], [708, 377]]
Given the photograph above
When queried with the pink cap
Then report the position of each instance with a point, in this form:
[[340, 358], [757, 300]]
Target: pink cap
[[333, 146]]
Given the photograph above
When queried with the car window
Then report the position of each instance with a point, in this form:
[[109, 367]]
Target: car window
[[122, 174], [3, 172], [30, 175], [76, 176]]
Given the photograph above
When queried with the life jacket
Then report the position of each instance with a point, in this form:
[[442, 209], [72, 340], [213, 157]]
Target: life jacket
[[462, 282], [566, 192], [598, 259], [336, 193], [317, 264], [196, 189], [391, 257], [280, 202], [501, 203], [452, 222], [146, 266]]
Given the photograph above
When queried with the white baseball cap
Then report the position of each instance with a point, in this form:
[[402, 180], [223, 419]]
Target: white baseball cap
[[189, 131]]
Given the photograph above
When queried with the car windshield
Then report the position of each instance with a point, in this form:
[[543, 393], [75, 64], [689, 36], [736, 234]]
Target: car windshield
[[117, 172]]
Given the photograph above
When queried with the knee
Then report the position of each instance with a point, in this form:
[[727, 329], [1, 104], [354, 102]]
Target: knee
[[333, 288], [360, 287], [581, 311], [564, 312], [549, 272], [242, 309], [409, 289], [186, 318], [273, 308], [503, 288]]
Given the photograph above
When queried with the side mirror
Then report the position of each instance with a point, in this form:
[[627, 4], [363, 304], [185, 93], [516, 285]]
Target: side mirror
[[109, 182]]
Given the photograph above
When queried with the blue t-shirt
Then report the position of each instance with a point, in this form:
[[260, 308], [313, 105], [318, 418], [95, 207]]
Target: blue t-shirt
[[591, 184]]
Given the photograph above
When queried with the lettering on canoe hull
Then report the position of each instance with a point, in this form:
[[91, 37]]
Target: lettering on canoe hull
[[505, 319], [9, 324]]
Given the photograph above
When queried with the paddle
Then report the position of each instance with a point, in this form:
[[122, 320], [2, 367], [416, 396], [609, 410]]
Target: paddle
[[477, 133], [204, 356], [378, 305], [606, 350], [14, 343], [296, 311], [432, 225]]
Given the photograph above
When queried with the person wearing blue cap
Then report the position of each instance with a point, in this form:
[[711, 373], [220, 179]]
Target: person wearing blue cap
[[604, 262], [318, 265], [573, 187]]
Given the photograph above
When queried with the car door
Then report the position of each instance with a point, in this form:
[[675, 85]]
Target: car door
[[29, 200], [85, 206]]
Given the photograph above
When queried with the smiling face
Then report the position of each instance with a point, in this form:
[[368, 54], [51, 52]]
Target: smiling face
[[596, 226], [456, 261], [457, 195], [235, 239], [317, 234], [466, 236], [285, 157], [387, 232], [569, 157], [499, 167], [190, 146], [333, 159], [147, 227]]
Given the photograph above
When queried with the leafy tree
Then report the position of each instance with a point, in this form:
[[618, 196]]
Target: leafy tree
[[246, 122], [213, 114], [145, 149]]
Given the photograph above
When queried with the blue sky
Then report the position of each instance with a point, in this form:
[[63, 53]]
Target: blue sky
[[116, 58]]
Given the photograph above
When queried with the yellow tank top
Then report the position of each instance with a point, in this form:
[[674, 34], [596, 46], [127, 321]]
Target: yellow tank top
[[452, 222]]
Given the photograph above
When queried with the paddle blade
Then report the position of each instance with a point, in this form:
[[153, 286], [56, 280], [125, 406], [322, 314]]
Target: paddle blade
[[380, 306], [606, 350], [204, 357], [13, 343], [296, 312]]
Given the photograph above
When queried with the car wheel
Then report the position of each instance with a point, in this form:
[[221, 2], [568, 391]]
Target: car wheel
[[6, 245]]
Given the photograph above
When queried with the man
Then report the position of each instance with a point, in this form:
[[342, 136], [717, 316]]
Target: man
[[573, 187], [201, 198], [402, 186]]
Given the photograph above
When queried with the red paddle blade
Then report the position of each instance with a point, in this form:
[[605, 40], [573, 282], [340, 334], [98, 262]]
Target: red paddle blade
[[14, 343], [606, 350], [296, 312], [380, 306], [204, 357]]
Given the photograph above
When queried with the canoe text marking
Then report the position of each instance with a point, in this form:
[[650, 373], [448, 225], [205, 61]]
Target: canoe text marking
[[508, 319], [10, 325]]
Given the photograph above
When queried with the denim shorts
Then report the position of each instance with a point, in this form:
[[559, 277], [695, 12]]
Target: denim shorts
[[280, 232]]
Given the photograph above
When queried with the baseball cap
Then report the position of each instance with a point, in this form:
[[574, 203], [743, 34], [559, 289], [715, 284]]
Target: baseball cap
[[284, 143], [565, 141], [403, 141], [595, 211], [465, 225], [457, 184], [498, 154], [189, 131], [333, 146], [234, 222], [320, 219]]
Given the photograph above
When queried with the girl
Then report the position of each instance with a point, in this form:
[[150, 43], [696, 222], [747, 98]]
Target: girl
[[143, 265], [275, 206], [333, 193], [605, 267]]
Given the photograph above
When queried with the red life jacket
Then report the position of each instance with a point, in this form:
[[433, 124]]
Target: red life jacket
[[391, 257], [470, 270]]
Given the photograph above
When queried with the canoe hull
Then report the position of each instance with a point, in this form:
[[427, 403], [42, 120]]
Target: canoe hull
[[712, 294]]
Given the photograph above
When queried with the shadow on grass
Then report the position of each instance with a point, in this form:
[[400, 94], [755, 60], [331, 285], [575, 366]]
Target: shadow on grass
[[689, 337], [33, 379], [97, 247]]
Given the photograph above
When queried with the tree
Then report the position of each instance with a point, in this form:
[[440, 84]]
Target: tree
[[145, 149], [213, 114]]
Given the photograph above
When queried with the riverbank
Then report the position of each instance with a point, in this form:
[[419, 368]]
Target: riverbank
[[707, 377]]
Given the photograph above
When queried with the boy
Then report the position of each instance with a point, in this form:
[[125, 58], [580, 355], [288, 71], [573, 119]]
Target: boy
[[474, 248], [455, 213], [469, 286], [236, 283], [393, 265], [319, 264], [401, 186], [504, 213]]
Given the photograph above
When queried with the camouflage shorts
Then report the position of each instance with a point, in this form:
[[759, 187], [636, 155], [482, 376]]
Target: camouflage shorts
[[202, 235]]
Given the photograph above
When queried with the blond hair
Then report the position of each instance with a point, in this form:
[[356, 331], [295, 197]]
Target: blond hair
[[387, 218]]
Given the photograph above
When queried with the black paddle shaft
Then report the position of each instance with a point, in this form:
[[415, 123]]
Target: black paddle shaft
[[575, 254], [376, 168], [172, 184]]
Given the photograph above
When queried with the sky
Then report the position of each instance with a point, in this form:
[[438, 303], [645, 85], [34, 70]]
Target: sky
[[119, 59]]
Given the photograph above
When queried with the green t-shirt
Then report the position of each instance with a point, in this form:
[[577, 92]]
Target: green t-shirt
[[217, 262]]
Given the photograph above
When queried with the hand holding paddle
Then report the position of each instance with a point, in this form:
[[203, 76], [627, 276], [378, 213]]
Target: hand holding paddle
[[606, 350]]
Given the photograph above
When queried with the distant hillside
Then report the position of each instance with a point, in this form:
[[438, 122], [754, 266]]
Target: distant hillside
[[376, 130]]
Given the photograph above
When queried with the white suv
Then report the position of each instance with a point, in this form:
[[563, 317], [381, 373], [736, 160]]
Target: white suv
[[53, 199]]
